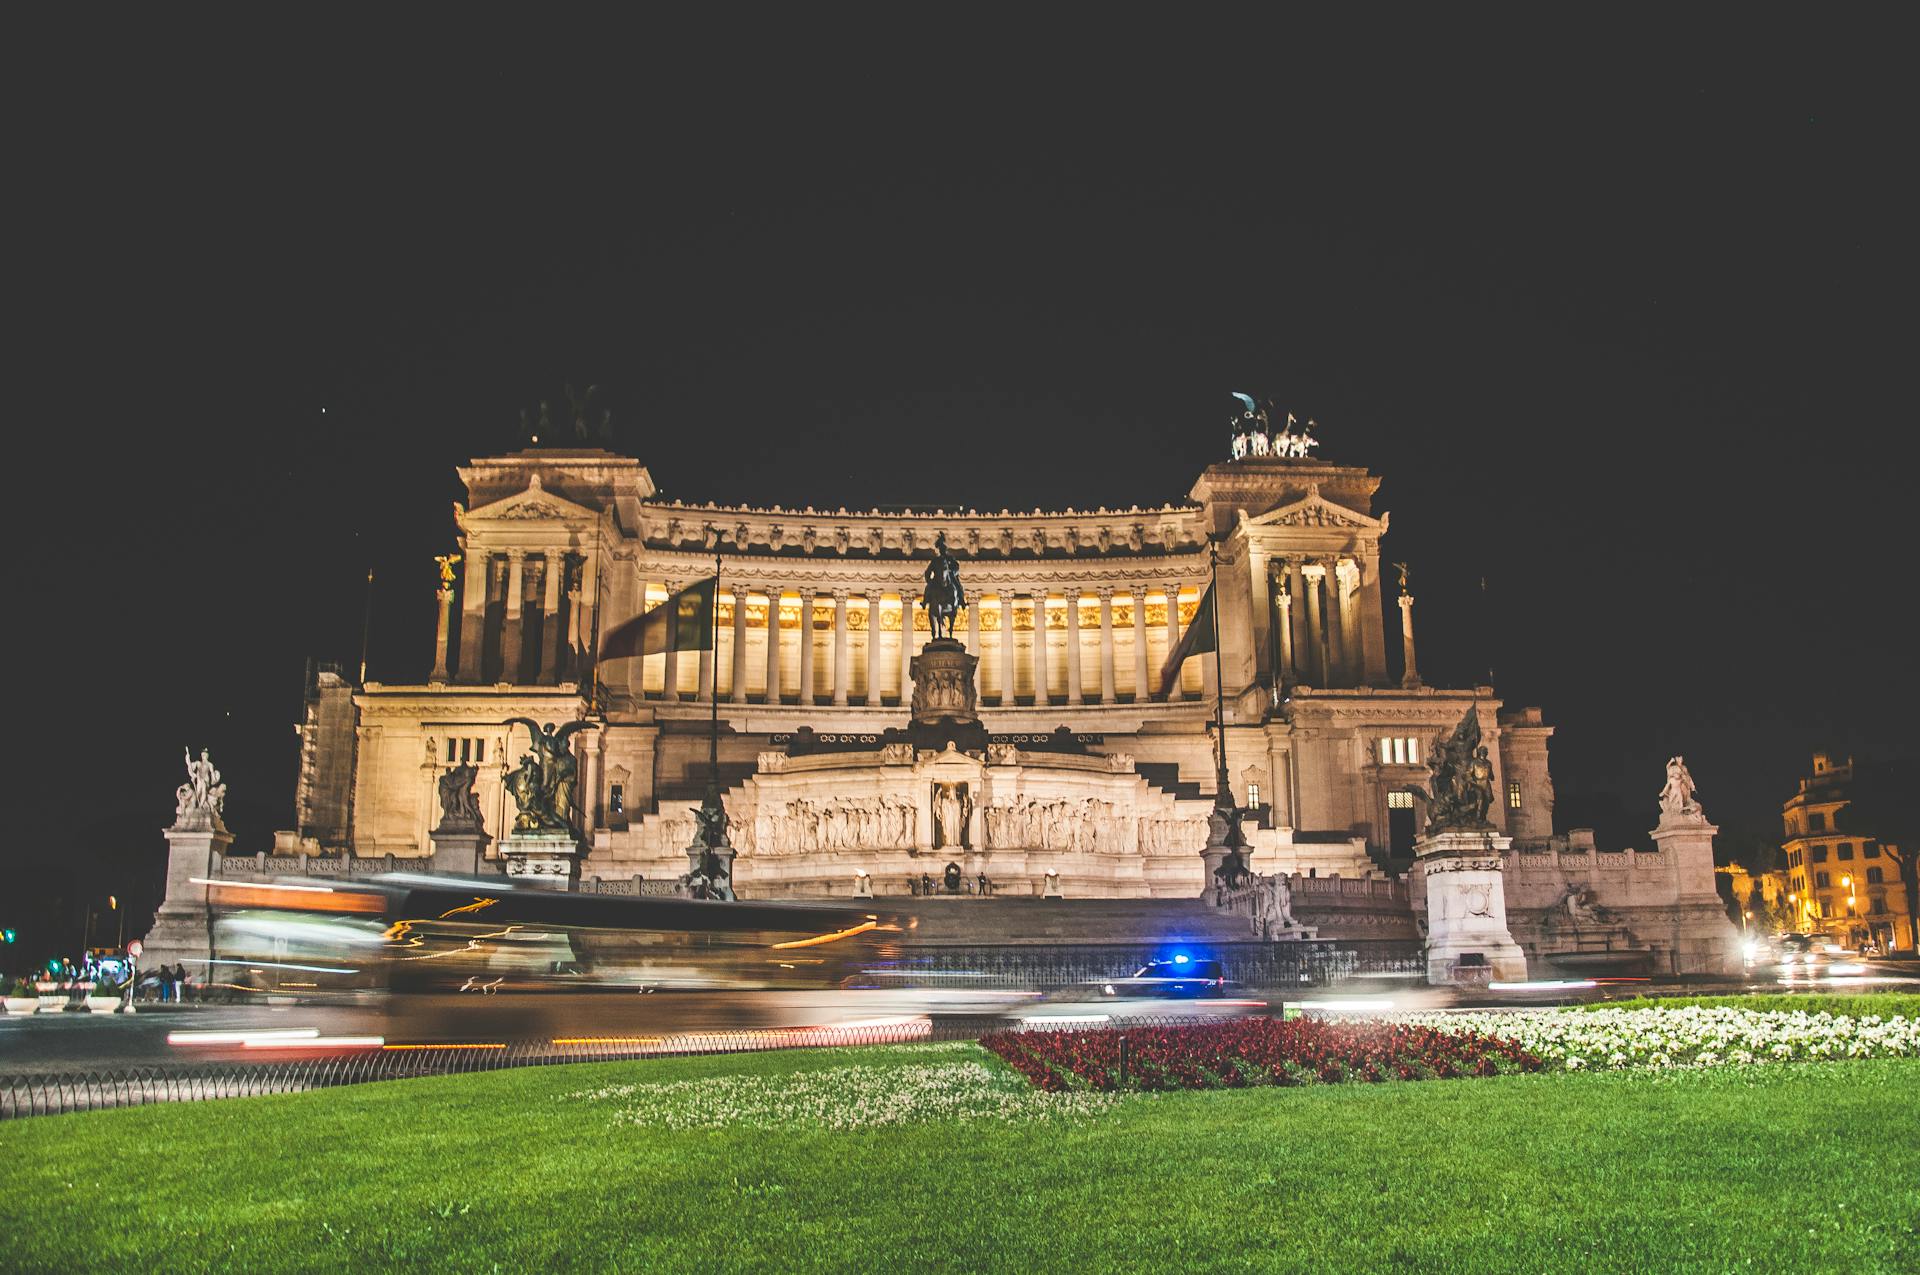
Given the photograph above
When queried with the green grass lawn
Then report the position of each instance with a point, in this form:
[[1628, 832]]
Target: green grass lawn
[[1793, 1167]]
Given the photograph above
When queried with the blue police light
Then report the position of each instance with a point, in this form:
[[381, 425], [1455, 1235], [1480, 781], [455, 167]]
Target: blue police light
[[1180, 958]]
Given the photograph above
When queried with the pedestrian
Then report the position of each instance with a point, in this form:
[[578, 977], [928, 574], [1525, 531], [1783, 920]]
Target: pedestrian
[[180, 981]]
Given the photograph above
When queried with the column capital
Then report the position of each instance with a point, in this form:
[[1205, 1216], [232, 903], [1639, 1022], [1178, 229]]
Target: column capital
[[1406, 602], [840, 596], [1105, 593], [1314, 570]]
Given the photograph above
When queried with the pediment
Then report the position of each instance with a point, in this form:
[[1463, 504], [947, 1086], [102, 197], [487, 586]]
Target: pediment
[[535, 504], [1315, 510]]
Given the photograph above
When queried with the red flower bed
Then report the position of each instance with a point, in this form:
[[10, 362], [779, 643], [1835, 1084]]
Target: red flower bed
[[1253, 1051]]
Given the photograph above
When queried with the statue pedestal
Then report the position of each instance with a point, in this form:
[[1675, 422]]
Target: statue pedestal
[[550, 860], [946, 709], [183, 929], [459, 850], [1467, 936], [1705, 941]]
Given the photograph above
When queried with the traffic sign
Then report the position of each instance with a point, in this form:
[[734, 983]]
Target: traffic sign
[[134, 948]]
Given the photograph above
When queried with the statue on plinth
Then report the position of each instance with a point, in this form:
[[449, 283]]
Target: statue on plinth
[[710, 875], [543, 785], [200, 803], [1677, 800], [447, 562], [1460, 791], [943, 597], [459, 804]]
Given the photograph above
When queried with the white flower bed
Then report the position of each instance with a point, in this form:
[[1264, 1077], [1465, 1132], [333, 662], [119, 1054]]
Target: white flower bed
[[841, 1098], [1688, 1037]]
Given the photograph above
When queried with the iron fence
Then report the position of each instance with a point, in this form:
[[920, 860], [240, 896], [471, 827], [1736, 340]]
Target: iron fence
[[1278, 966]]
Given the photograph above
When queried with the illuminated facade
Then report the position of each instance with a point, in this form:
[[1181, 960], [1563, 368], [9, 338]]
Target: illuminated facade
[[1841, 884], [1071, 614]]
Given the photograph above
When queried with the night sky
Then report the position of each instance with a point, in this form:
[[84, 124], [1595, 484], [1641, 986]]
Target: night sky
[[1622, 317]]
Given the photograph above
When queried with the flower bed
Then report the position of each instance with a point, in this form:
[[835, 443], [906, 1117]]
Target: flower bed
[[1254, 1051], [1696, 1036]]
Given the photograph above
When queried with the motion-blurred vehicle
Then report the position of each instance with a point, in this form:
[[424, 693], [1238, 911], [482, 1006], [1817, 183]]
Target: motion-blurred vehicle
[[1796, 949], [1180, 987]]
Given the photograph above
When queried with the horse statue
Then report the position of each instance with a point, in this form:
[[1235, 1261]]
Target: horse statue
[[943, 597]]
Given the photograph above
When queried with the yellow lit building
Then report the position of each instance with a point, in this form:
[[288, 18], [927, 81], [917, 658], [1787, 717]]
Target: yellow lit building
[[1840, 883]]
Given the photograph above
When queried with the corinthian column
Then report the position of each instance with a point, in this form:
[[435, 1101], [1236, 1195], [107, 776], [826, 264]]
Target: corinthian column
[[738, 691], [473, 613], [1106, 645], [840, 646], [444, 596], [551, 571], [670, 663], [1412, 676], [1073, 645], [773, 644], [806, 646], [1006, 648], [1283, 627], [906, 643], [1042, 695], [1336, 634], [873, 648], [511, 645], [1173, 636], [1142, 688], [1315, 576]]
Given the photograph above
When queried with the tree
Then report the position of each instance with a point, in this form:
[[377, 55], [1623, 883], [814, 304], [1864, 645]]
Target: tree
[[1880, 805]]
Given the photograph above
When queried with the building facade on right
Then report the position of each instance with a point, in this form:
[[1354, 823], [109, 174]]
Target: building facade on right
[[1841, 882]]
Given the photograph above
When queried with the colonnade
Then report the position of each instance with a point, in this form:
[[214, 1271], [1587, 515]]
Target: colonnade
[[506, 597], [1314, 619], [844, 646]]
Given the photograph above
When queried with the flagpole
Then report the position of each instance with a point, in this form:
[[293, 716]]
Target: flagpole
[[1219, 682], [713, 682]]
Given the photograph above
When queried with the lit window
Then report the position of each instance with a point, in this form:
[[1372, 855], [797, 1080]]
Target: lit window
[[617, 800], [1513, 796], [1253, 794], [1400, 750], [1400, 799]]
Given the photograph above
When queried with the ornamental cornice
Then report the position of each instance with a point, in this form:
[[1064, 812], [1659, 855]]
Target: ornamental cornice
[[881, 535], [859, 576]]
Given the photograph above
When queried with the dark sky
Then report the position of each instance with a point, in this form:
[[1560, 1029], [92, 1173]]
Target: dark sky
[[1620, 315]]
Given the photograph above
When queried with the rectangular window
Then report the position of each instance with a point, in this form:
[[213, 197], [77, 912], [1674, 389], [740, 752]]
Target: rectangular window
[[480, 751], [617, 800], [1822, 880], [466, 750], [1400, 799], [1870, 850], [1875, 876], [1817, 820], [1253, 794], [453, 747], [1386, 752], [1513, 796], [1819, 854], [1879, 905], [1846, 850]]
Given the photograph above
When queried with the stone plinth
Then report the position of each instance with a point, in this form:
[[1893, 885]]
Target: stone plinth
[[459, 850], [1459, 873], [550, 860], [1704, 940], [946, 711], [183, 929]]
